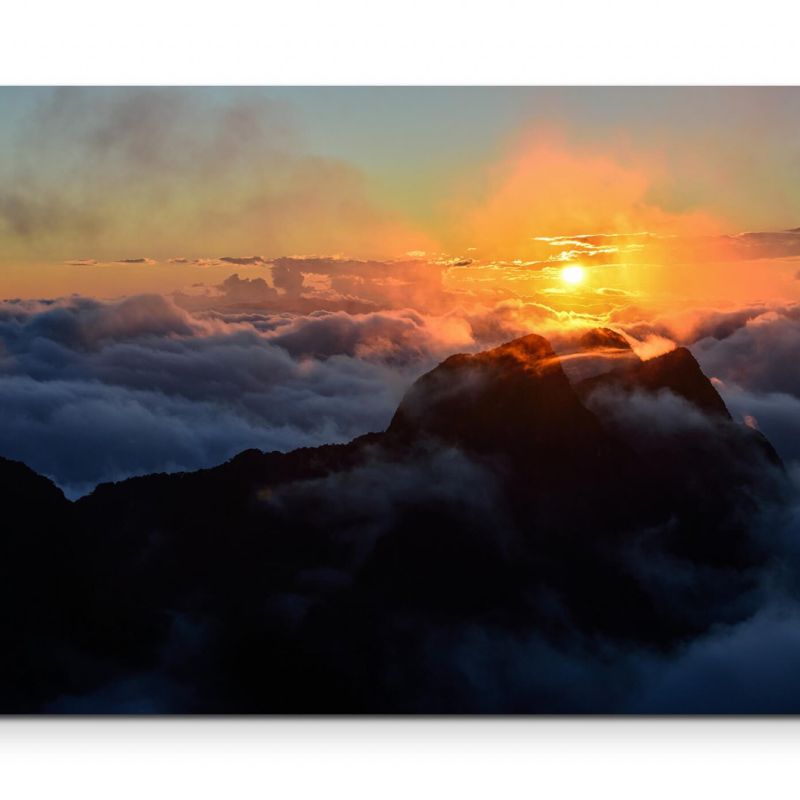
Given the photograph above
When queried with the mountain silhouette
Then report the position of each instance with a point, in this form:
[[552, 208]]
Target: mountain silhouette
[[514, 397], [676, 371], [505, 495]]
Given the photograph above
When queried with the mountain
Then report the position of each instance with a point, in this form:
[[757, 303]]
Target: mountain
[[507, 499], [514, 397], [514, 407], [676, 371]]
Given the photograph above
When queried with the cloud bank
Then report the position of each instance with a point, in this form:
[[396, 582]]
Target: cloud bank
[[95, 391], [154, 384]]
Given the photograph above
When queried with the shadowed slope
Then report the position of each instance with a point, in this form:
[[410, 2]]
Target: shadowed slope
[[514, 399], [676, 371]]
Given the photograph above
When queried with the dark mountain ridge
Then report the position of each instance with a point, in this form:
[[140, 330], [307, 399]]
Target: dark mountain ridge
[[676, 371], [501, 495]]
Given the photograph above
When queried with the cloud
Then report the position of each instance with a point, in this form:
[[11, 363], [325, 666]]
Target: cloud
[[745, 350], [91, 164], [88, 262], [82, 433], [415, 283], [242, 260], [95, 391], [280, 375], [288, 276], [308, 283], [764, 244], [394, 337], [239, 261], [775, 414], [247, 290], [755, 355], [154, 386], [750, 668]]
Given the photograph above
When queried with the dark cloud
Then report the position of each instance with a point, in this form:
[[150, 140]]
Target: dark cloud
[[242, 260], [288, 276], [27, 215], [246, 290], [87, 262]]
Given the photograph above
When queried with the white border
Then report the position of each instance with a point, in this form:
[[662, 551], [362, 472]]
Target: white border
[[402, 758], [414, 42]]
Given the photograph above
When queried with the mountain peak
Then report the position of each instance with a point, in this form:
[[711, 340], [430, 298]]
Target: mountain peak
[[603, 339], [527, 349], [596, 351], [531, 353], [511, 398], [676, 371]]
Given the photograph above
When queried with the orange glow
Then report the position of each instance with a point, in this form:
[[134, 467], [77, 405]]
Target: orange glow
[[558, 231], [548, 189]]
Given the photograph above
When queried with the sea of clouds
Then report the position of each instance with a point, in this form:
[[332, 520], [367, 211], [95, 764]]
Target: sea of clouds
[[94, 391]]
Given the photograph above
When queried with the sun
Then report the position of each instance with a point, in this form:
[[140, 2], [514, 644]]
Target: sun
[[573, 275]]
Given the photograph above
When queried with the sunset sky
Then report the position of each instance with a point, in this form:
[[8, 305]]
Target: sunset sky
[[186, 273], [107, 192]]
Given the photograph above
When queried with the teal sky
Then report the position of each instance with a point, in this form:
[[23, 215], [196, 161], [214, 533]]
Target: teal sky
[[416, 138], [412, 140]]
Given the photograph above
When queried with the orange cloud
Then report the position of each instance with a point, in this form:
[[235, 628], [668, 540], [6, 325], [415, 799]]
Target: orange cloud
[[547, 187]]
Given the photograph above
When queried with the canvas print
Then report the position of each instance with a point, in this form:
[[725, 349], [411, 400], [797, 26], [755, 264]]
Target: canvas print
[[399, 400]]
